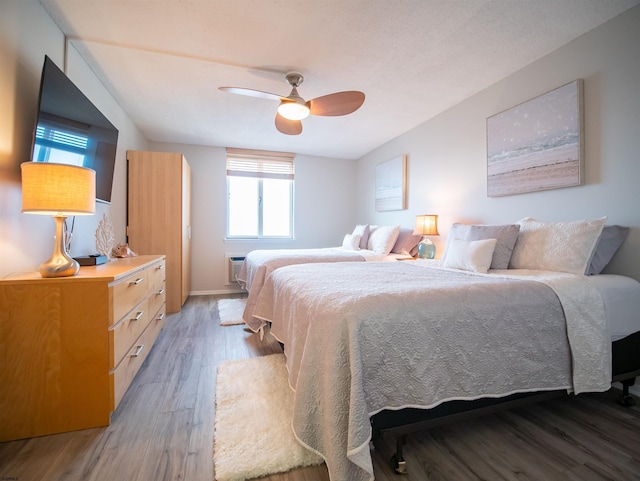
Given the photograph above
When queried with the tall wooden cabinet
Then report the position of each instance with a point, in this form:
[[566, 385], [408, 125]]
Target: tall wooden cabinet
[[159, 216]]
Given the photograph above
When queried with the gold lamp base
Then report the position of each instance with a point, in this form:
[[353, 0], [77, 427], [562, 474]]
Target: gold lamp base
[[60, 264]]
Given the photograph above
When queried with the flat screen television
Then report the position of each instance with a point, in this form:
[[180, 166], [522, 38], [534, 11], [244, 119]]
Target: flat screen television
[[71, 130]]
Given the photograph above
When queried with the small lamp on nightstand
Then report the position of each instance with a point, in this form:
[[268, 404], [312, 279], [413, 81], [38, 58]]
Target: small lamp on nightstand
[[426, 225], [58, 190]]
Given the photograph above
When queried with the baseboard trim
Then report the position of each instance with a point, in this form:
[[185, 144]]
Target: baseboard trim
[[218, 292]]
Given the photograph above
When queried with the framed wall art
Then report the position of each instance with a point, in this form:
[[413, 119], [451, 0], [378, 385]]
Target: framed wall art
[[537, 145], [391, 184]]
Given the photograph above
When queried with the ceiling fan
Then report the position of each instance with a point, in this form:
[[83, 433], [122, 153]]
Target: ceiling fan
[[293, 108]]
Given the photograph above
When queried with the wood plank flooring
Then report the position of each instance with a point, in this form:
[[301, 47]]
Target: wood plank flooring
[[163, 429]]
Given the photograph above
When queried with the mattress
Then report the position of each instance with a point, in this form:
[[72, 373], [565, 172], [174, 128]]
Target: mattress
[[621, 298]]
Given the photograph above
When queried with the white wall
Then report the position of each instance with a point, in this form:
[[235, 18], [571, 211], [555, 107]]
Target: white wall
[[27, 34], [324, 210], [447, 154], [447, 158]]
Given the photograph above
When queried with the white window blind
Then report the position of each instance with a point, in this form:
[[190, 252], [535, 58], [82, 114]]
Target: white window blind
[[260, 164]]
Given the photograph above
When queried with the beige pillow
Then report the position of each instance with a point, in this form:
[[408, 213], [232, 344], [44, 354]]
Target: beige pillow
[[556, 246]]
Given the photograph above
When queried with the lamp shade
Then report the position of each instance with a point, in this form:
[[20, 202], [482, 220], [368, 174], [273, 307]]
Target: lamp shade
[[58, 189], [426, 225]]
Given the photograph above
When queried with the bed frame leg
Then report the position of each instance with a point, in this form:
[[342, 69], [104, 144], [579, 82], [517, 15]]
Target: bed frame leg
[[397, 461], [626, 399]]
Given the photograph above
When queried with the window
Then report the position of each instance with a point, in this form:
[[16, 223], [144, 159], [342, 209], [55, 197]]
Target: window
[[259, 194], [57, 142]]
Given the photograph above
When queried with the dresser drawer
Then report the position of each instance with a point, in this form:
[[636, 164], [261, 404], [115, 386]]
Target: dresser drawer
[[158, 274], [130, 292], [125, 332], [156, 300], [127, 369]]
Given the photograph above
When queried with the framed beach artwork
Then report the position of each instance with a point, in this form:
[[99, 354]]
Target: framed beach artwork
[[537, 145], [391, 184]]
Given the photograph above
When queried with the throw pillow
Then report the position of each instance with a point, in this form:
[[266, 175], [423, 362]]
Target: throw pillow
[[608, 244], [505, 235], [472, 256], [351, 242], [406, 242], [363, 231]]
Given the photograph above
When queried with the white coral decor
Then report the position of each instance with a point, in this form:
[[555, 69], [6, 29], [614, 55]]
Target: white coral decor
[[105, 239]]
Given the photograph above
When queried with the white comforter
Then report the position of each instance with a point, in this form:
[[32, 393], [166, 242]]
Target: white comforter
[[372, 336], [260, 263]]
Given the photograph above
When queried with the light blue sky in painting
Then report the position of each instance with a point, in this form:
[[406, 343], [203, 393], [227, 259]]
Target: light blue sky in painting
[[545, 122], [389, 175]]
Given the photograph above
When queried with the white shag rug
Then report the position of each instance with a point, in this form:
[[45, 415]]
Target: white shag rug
[[254, 408], [230, 311]]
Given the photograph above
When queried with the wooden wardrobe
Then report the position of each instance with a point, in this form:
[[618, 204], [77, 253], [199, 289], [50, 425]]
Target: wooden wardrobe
[[159, 216]]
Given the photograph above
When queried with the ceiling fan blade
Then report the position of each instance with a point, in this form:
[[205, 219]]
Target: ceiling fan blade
[[252, 93], [340, 103], [286, 126]]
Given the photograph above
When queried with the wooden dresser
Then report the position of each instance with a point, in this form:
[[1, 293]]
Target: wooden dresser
[[70, 347]]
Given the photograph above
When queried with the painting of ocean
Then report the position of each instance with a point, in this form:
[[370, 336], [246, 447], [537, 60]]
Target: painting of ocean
[[391, 178], [536, 145]]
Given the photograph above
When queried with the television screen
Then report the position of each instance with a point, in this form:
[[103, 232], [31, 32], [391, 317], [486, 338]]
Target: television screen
[[71, 130]]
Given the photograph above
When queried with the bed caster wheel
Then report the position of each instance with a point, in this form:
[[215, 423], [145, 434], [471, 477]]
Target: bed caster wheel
[[628, 401], [398, 465]]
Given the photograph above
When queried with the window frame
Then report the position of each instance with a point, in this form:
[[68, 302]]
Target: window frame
[[260, 165]]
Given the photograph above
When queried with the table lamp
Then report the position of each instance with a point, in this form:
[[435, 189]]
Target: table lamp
[[58, 190], [426, 225]]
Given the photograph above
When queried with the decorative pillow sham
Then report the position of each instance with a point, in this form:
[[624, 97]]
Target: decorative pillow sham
[[383, 238], [363, 231], [472, 256], [556, 246], [406, 242], [351, 242], [608, 244], [505, 235]]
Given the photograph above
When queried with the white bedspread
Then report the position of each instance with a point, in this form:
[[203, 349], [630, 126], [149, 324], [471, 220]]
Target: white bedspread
[[366, 337], [260, 263]]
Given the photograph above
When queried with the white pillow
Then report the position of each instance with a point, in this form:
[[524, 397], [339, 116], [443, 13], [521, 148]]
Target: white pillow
[[351, 242], [556, 246], [472, 256], [383, 238], [363, 231]]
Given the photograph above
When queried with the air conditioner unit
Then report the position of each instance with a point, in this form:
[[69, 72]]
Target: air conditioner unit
[[234, 264]]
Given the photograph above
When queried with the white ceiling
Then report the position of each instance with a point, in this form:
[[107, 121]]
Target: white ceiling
[[163, 60]]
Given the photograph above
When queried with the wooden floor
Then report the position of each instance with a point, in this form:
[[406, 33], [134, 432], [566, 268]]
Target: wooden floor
[[163, 429]]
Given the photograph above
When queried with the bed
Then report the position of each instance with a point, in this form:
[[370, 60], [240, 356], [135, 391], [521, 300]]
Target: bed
[[365, 243], [364, 339]]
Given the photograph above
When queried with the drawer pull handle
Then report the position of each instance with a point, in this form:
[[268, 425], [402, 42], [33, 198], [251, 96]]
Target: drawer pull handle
[[138, 350], [137, 281], [160, 292], [137, 316], [160, 267], [160, 316]]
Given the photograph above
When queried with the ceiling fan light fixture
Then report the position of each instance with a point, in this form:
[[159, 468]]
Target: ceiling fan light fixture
[[293, 109]]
